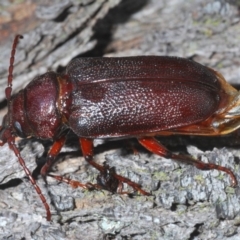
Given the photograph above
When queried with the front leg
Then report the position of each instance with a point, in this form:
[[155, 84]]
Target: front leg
[[51, 157], [52, 154]]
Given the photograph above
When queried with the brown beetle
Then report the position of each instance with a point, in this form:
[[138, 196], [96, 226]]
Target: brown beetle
[[140, 97]]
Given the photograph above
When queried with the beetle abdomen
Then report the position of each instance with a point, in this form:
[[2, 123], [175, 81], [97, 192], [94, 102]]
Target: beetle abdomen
[[134, 107]]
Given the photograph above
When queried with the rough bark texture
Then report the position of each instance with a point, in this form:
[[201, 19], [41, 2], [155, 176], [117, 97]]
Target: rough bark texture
[[186, 203]]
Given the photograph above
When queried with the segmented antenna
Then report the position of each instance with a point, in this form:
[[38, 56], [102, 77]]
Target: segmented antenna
[[8, 89], [9, 136]]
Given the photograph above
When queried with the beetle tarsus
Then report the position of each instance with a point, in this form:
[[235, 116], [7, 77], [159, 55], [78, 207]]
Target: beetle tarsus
[[209, 166], [154, 146], [73, 183]]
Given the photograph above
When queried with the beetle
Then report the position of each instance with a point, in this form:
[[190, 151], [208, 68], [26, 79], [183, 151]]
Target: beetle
[[141, 97]]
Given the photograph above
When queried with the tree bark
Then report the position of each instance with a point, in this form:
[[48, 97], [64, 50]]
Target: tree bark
[[186, 203]]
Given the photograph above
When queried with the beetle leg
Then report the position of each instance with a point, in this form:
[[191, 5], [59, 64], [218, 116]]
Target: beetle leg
[[52, 154], [87, 150], [105, 180], [73, 183], [154, 146]]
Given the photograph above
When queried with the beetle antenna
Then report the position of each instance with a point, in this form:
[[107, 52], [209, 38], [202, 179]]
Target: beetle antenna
[[8, 89], [8, 136]]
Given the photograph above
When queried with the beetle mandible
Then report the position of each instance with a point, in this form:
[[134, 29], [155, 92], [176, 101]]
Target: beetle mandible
[[141, 97]]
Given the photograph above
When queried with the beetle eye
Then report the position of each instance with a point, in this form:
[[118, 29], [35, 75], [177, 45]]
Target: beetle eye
[[18, 129]]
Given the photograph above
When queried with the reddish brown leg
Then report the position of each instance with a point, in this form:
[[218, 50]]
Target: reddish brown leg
[[73, 183], [52, 154], [107, 175], [104, 179], [154, 146]]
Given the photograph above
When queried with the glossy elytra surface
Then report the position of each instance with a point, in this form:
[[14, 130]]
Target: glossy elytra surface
[[136, 95]]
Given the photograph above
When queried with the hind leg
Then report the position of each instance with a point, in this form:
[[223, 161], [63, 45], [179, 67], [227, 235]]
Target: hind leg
[[154, 146]]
